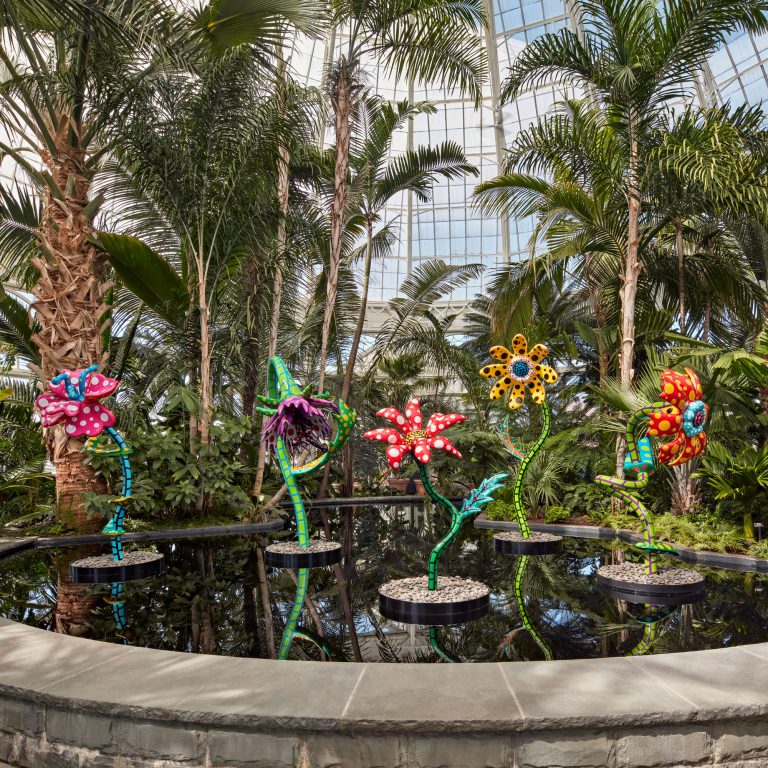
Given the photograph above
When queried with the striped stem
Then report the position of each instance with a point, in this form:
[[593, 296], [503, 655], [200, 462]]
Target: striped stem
[[456, 522], [517, 496], [293, 490]]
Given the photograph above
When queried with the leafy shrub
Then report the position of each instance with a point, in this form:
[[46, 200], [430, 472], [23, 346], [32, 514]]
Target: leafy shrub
[[555, 514], [168, 478], [501, 510]]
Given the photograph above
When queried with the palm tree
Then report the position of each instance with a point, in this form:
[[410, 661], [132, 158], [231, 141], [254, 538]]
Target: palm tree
[[634, 57], [70, 68], [424, 40], [73, 70], [376, 179]]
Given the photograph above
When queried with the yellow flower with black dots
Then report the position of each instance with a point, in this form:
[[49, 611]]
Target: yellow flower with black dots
[[519, 369]]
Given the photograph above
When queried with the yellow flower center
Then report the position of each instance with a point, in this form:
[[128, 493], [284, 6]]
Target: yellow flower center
[[414, 435]]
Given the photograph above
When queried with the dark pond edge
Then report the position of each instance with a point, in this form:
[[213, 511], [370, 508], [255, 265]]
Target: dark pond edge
[[686, 554], [10, 547]]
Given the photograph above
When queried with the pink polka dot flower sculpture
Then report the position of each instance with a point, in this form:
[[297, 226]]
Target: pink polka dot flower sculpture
[[412, 437], [73, 397]]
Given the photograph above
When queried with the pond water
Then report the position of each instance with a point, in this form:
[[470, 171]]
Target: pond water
[[211, 599]]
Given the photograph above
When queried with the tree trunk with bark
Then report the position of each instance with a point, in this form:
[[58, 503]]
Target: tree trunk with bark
[[277, 296], [343, 108], [69, 304], [631, 272]]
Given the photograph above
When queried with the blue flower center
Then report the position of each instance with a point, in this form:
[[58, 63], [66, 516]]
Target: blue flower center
[[694, 418], [521, 369]]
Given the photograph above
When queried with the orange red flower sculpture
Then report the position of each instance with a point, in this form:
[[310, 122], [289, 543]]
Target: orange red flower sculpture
[[684, 418], [411, 437], [519, 369]]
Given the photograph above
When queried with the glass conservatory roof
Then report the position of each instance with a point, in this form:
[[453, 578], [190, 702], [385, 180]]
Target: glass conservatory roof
[[448, 228]]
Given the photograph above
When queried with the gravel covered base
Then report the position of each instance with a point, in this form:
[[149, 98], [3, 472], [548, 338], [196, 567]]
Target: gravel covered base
[[535, 536], [635, 573], [294, 548], [450, 589], [103, 568], [107, 561]]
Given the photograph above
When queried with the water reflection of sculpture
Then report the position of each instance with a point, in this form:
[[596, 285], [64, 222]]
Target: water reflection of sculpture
[[418, 600], [299, 423], [116, 599], [519, 370], [521, 566], [681, 415], [651, 619]]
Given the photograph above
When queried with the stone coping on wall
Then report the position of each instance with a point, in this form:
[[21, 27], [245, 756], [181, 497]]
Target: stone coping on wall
[[686, 554], [69, 699]]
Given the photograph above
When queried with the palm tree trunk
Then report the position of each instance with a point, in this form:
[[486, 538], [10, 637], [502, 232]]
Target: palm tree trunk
[[206, 401], [346, 385], [341, 102], [277, 294], [680, 272], [631, 276], [69, 305]]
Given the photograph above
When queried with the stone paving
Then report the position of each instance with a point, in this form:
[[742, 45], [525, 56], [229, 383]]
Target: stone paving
[[65, 701]]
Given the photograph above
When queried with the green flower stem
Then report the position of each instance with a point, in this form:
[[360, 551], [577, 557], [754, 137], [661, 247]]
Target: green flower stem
[[302, 583], [293, 490], [520, 568], [624, 489], [517, 497], [456, 522]]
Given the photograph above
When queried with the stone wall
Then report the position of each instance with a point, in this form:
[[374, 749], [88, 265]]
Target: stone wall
[[68, 702]]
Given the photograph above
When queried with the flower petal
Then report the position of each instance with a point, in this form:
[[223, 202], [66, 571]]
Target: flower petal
[[395, 455], [413, 413], [385, 435], [538, 353], [500, 388], [696, 393], [520, 345], [550, 375], [677, 388], [667, 453], [517, 396], [98, 386], [92, 420], [421, 451], [665, 422], [444, 444], [500, 353], [440, 421], [397, 418], [493, 371], [538, 395], [692, 447]]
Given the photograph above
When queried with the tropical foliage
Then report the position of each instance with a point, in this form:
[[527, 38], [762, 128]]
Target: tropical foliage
[[184, 209]]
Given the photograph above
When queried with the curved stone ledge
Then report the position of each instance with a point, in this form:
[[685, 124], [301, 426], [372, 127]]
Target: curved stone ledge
[[686, 554], [74, 702]]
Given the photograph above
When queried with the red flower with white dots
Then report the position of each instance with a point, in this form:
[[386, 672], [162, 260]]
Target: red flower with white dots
[[412, 438], [73, 397]]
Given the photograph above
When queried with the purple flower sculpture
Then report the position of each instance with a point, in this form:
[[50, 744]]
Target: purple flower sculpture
[[302, 422]]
